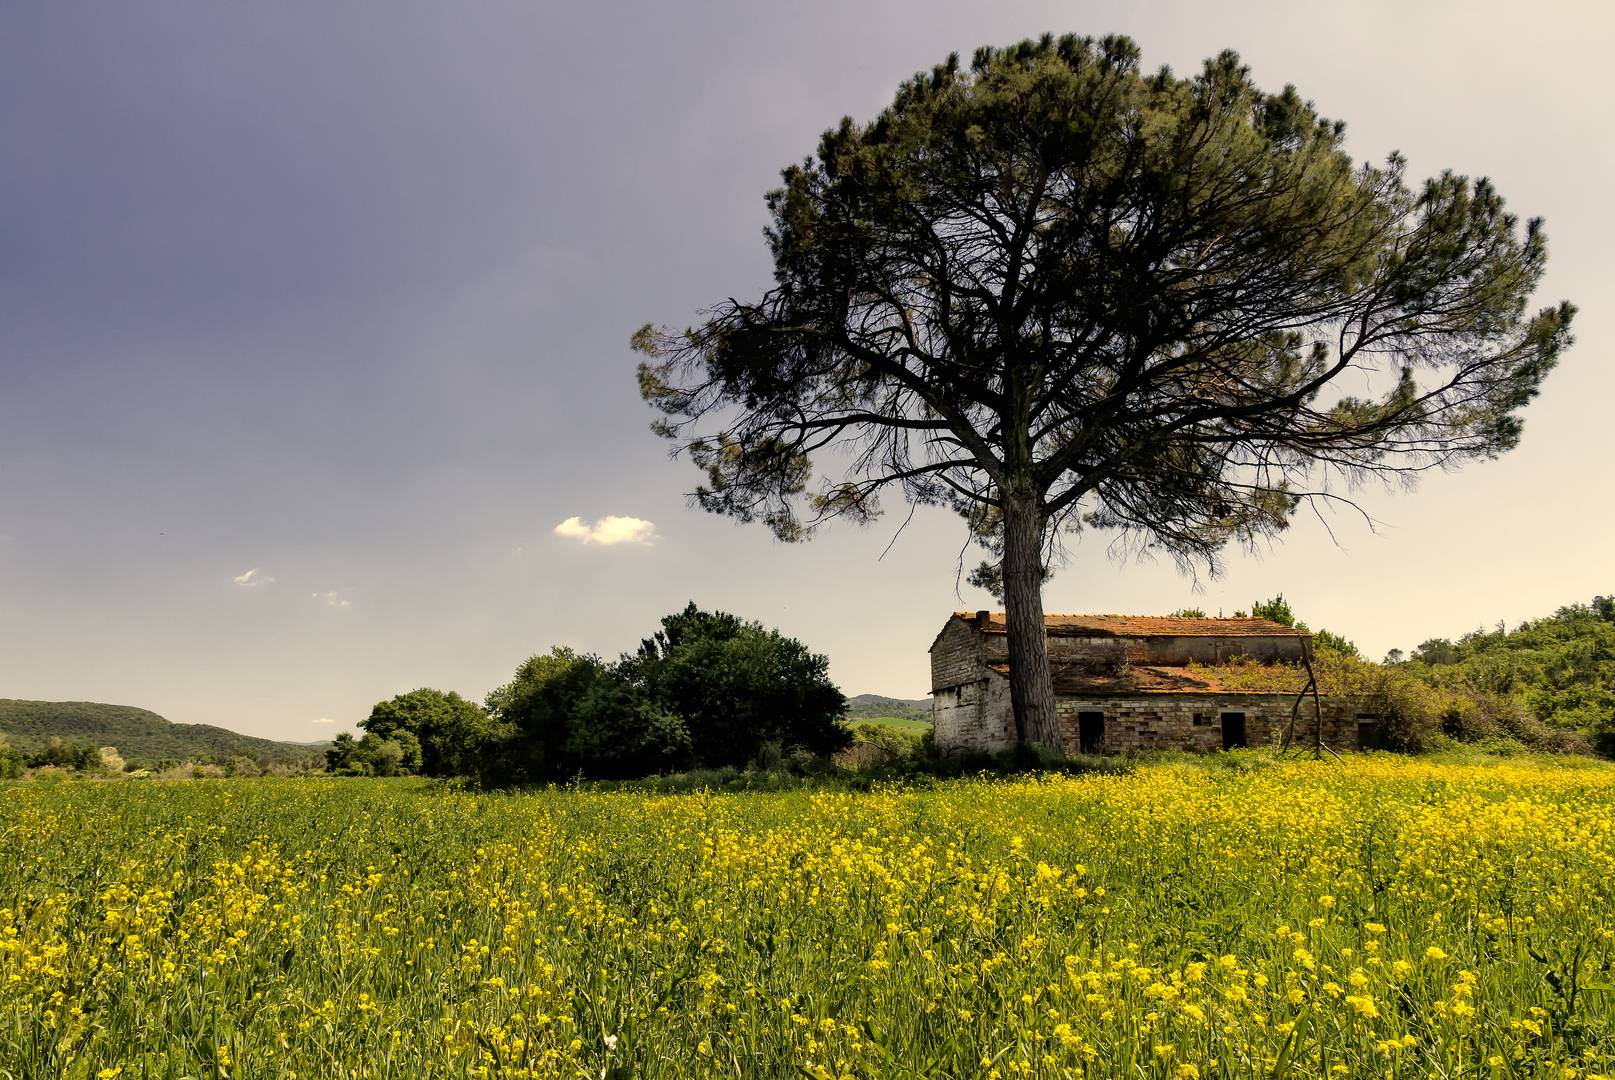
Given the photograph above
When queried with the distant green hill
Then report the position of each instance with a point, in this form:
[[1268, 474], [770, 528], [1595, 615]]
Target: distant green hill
[[143, 738], [904, 714]]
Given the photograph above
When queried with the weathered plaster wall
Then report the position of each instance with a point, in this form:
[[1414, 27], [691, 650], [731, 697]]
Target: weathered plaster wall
[[1177, 651], [974, 716], [1211, 650]]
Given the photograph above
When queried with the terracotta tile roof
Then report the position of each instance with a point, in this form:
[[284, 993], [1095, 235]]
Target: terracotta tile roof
[[1098, 680], [1142, 626]]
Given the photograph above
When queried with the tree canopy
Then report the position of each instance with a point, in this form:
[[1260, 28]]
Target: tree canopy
[[708, 689], [736, 685], [1278, 610], [439, 732], [536, 714], [373, 755], [1050, 290]]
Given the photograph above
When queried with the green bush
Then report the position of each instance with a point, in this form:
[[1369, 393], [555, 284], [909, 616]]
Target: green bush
[[707, 691], [618, 732], [373, 755], [1410, 711], [736, 685], [534, 715], [11, 762], [439, 733]]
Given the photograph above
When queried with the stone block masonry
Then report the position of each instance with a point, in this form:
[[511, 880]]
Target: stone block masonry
[[1196, 721]]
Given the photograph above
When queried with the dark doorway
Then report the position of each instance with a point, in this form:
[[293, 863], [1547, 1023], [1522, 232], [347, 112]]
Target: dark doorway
[[1091, 732], [1368, 736], [1233, 730]]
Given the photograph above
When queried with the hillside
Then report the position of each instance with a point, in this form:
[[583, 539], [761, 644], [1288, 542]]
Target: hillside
[[904, 714], [1561, 667], [143, 738]]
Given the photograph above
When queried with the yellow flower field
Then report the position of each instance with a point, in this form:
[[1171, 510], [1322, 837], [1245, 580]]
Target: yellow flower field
[[1379, 917]]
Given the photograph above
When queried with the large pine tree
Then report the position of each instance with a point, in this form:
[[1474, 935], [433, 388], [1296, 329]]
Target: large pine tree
[[1050, 290]]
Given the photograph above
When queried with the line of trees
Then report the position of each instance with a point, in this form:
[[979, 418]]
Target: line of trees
[[89, 759], [58, 753], [706, 690]]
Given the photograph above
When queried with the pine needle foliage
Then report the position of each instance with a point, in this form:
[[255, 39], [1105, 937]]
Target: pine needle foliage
[[1052, 290]]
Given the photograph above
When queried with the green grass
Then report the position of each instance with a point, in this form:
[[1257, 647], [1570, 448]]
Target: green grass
[[904, 724], [1236, 917]]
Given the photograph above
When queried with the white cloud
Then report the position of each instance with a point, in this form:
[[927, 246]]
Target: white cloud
[[332, 598], [253, 578], [325, 720], [612, 529]]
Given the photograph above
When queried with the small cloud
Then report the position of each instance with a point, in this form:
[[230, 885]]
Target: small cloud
[[332, 599], [253, 578], [608, 530], [325, 720]]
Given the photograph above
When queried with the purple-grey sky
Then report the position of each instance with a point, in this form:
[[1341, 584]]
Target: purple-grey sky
[[314, 324]]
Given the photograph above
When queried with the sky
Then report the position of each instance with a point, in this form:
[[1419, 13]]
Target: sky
[[314, 373]]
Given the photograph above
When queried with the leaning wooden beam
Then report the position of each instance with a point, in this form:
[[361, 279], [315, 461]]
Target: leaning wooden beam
[[1318, 745]]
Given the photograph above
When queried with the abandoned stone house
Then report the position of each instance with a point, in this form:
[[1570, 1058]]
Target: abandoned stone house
[[1132, 682]]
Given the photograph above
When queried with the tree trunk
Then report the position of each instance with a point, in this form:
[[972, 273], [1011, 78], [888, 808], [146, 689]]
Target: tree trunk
[[1031, 684]]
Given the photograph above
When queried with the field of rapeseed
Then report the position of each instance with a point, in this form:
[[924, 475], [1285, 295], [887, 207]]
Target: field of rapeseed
[[1373, 918]]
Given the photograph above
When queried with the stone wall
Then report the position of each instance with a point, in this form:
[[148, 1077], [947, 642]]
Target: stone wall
[[1096, 650], [1194, 721], [1173, 651], [956, 656], [976, 717]]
